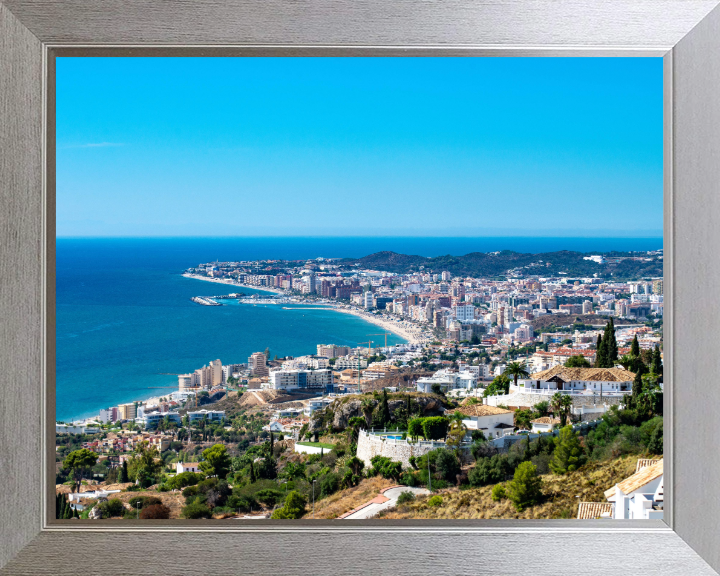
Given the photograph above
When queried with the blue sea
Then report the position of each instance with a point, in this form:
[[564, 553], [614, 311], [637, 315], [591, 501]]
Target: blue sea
[[125, 322]]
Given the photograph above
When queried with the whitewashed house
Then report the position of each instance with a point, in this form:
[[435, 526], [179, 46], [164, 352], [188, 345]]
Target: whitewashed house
[[494, 422], [589, 380], [447, 380], [544, 424], [639, 497], [181, 467]]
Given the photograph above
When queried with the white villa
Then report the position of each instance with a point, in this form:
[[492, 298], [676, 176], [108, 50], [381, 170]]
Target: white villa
[[639, 497], [589, 380], [447, 380], [181, 467], [544, 424], [493, 421]]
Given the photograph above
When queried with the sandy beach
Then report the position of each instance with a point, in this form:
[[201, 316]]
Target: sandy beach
[[411, 332]]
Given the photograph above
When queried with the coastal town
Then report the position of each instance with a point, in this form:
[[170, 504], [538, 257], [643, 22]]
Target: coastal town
[[511, 395]]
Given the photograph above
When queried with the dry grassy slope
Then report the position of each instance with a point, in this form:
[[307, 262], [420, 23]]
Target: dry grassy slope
[[562, 495], [345, 500]]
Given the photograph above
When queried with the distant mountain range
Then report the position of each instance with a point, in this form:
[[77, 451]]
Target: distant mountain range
[[618, 265]]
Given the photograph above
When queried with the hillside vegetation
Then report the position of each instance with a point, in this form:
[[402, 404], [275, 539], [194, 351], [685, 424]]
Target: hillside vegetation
[[562, 494], [479, 264]]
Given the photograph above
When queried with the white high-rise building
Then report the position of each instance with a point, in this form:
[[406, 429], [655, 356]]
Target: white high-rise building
[[464, 312], [369, 300]]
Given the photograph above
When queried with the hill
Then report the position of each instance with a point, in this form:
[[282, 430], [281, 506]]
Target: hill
[[562, 495], [621, 266]]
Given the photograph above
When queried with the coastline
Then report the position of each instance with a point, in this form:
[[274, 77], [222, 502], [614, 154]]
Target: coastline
[[408, 331], [401, 328], [232, 283]]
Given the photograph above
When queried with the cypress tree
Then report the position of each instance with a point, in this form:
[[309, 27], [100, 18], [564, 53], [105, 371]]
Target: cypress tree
[[637, 385], [272, 443], [252, 473], [124, 473], [57, 505], [384, 410], [68, 511], [635, 347], [656, 366], [611, 347], [600, 352]]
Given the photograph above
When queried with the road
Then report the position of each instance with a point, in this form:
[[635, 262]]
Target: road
[[387, 499]]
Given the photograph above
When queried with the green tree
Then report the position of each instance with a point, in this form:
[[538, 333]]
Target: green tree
[[293, 509], [368, 407], [577, 361], [569, 454], [525, 489], [599, 352], [415, 428], [516, 370], [607, 352], [79, 462], [656, 364], [353, 428], [384, 410], [123, 477], [435, 427], [217, 461], [635, 347], [145, 465]]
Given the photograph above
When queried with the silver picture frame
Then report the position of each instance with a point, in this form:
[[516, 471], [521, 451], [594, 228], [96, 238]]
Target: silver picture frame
[[684, 33]]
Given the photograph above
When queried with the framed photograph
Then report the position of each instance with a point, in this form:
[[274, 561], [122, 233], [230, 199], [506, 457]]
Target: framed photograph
[[210, 212]]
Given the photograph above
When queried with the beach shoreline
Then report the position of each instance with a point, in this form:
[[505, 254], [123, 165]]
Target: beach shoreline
[[408, 331], [416, 336]]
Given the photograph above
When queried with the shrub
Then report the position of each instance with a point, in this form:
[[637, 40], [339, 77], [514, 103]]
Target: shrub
[[144, 501], [240, 503], [408, 479], [447, 464], [155, 512], [477, 435], [655, 445], [488, 471], [190, 491], [196, 510], [525, 489], [184, 479], [329, 484], [481, 450], [384, 466], [498, 492], [435, 427], [111, 508], [542, 463], [405, 497], [269, 497], [435, 501]]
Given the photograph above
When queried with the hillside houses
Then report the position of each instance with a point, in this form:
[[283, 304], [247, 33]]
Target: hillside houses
[[591, 380]]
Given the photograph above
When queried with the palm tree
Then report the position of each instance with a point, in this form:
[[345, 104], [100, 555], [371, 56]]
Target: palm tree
[[516, 370], [561, 404]]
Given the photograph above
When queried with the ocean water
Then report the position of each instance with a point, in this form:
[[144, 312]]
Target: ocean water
[[126, 325]]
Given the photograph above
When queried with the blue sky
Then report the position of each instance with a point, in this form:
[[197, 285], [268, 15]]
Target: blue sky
[[359, 146]]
